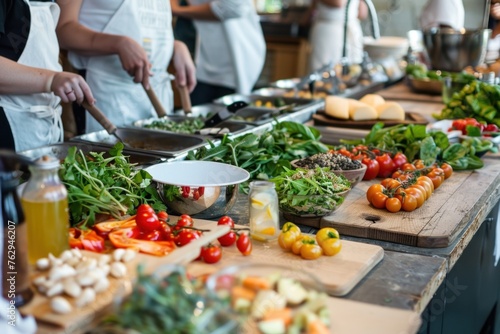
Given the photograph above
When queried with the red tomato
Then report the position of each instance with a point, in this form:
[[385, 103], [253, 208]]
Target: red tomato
[[226, 220], [211, 253], [227, 239], [147, 221], [399, 160], [386, 164], [163, 216], [145, 208], [184, 221], [372, 168], [166, 231], [244, 244], [491, 128], [185, 236]]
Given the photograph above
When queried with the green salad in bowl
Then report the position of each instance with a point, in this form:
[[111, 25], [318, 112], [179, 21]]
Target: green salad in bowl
[[311, 192]]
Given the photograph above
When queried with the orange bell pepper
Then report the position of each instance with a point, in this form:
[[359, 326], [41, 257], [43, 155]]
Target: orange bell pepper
[[85, 239], [122, 238]]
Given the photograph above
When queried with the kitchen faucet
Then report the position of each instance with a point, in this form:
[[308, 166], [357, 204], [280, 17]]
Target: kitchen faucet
[[375, 31]]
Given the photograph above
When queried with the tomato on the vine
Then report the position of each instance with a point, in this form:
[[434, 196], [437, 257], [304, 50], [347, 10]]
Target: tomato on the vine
[[374, 188], [155, 235], [447, 170], [372, 168], [183, 221], [244, 244], [227, 239], [386, 165], [393, 204], [226, 220], [399, 160], [185, 236], [211, 253], [147, 221], [378, 200]]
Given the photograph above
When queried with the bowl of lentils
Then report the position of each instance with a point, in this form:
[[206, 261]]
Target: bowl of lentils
[[353, 170]]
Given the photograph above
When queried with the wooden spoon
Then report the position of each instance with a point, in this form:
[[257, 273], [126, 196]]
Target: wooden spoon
[[103, 120], [160, 111], [185, 99]]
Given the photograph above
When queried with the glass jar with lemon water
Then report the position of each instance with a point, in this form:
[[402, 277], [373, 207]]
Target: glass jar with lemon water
[[45, 204], [264, 211]]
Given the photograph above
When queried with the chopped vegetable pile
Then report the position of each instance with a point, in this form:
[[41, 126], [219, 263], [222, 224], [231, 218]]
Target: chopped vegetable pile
[[185, 126]]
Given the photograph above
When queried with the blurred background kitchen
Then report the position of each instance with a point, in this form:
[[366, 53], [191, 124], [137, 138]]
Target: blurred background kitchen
[[286, 28]]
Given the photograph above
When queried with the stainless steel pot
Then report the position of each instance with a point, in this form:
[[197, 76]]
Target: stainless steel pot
[[452, 50]]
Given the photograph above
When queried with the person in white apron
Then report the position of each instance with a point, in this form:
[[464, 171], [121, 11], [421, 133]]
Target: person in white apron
[[121, 43], [442, 13], [31, 82], [230, 50], [326, 36]]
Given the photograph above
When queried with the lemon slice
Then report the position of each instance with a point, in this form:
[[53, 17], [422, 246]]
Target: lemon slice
[[259, 201], [268, 231]]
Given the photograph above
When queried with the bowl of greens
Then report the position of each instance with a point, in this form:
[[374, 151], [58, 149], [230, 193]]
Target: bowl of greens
[[311, 192]]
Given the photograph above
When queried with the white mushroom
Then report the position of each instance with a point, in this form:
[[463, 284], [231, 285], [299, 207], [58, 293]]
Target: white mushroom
[[54, 261], [60, 305], [66, 255], [76, 253], [59, 272], [55, 289], [101, 285], [104, 260]]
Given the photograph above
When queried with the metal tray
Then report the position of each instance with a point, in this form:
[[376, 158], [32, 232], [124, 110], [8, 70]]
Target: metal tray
[[60, 152], [297, 103], [202, 110], [147, 141], [232, 127]]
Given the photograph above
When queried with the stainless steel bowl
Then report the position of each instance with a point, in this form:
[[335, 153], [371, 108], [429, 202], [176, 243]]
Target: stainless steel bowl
[[202, 189], [453, 50]]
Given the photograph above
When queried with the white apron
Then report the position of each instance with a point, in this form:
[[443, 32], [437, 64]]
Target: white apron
[[244, 45], [327, 36], [148, 22], [35, 119]]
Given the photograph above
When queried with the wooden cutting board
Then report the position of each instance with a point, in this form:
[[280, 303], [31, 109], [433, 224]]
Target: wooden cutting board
[[85, 317], [320, 118], [403, 92], [339, 273], [436, 224]]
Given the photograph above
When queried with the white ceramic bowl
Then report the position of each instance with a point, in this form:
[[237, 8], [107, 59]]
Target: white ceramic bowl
[[203, 189], [386, 47]]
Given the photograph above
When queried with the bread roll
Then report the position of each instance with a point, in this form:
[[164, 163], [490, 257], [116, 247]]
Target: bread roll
[[359, 111], [373, 100]]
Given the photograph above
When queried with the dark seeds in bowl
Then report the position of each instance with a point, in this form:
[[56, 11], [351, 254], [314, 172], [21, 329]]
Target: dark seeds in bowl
[[333, 160]]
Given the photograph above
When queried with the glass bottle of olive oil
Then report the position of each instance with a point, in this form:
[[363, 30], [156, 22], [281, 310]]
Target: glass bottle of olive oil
[[45, 205]]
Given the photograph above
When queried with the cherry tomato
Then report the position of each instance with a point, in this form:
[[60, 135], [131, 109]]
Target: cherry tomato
[[147, 221], [399, 160], [390, 183], [211, 253], [227, 239], [491, 128], [145, 208], [226, 220], [435, 178], [378, 200], [393, 204], [421, 188], [166, 231], [386, 164], [374, 188], [408, 167], [185, 236], [447, 170], [408, 202], [372, 168], [183, 221], [162, 215], [244, 244], [417, 194]]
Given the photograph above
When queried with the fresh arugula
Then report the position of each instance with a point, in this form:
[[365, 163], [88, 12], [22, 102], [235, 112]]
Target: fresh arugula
[[105, 185]]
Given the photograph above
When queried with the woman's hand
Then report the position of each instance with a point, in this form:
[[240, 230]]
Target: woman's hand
[[71, 87], [185, 71], [134, 60]]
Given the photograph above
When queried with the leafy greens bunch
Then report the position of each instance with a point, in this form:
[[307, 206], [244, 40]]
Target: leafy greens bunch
[[105, 185], [416, 143], [267, 155]]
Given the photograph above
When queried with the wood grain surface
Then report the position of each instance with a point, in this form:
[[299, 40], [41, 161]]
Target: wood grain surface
[[402, 91], [339, 273], [436, 224]]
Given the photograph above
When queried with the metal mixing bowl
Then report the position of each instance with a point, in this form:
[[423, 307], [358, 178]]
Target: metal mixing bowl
[[202, 189], [453, 50]]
